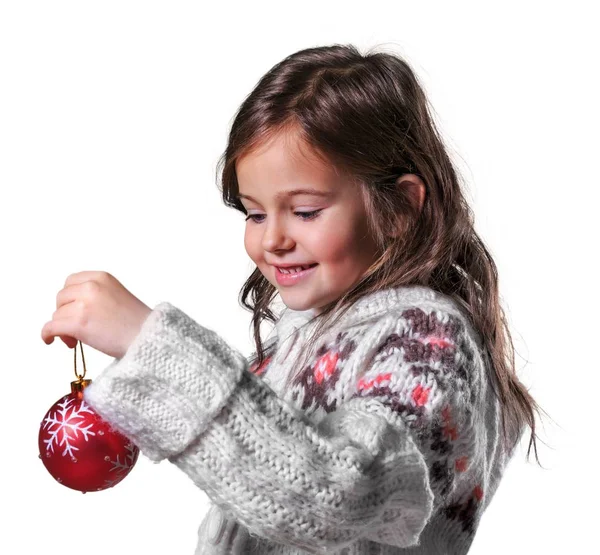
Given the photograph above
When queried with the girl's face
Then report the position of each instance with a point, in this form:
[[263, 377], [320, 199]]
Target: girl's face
[[335, 236]]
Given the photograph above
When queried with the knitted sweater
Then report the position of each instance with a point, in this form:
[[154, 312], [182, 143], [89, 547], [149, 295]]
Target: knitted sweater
[[387, 442]]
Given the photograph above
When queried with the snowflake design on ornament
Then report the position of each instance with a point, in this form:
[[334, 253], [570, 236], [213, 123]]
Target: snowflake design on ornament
[[121, 467], [65, 420]]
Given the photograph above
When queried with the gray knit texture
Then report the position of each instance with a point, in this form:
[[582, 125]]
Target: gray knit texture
[[386, 442]]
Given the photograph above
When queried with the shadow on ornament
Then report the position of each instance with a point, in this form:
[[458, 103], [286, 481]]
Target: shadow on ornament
[[78, 448]]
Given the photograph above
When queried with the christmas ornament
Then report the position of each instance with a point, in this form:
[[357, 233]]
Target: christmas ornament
[[78, 448]]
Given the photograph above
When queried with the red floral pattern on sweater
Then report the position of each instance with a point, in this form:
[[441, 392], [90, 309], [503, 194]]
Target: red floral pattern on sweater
[[427, 350]]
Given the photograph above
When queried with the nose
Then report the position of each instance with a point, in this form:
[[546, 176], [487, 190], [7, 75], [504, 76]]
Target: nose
[[276, 236]]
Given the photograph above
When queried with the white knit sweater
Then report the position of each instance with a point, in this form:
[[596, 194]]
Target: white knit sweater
[[386, 442]]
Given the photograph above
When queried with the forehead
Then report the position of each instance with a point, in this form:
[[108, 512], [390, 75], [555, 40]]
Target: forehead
[[284, 165]]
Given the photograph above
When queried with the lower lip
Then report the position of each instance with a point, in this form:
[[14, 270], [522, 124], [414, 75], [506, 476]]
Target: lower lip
[[291, 279]]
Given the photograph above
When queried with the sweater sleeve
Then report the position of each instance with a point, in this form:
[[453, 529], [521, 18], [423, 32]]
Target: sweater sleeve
[[182, 393]]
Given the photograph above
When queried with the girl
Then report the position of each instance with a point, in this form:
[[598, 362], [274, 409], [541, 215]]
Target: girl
[[381, 415]]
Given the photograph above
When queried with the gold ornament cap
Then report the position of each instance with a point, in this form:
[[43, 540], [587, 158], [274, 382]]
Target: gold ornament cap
[[79, 385]]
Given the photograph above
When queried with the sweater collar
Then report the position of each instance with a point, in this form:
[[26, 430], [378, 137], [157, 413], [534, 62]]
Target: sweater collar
[[373, 305]]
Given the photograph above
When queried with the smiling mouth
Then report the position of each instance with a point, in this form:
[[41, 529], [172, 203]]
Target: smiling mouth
[[303, 268], [291, 279]]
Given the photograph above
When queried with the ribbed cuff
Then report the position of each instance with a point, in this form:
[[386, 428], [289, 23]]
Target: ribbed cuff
[[173, 380]]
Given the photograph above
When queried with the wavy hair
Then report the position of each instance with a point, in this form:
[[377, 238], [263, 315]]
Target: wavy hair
[[369, 117]]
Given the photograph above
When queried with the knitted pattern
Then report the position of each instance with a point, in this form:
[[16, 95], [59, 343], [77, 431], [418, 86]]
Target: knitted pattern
[[386, 442]]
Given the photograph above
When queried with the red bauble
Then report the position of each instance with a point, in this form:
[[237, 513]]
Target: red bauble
[[81, 450]]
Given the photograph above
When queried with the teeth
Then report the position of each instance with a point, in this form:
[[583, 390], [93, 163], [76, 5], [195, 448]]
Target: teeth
[[292, 270]]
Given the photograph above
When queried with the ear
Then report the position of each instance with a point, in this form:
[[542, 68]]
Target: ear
[[415, 188]]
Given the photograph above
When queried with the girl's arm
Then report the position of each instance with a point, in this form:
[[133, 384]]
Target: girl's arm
[[182, 393]]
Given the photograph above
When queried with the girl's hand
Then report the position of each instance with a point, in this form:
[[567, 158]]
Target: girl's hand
[[94, 308]]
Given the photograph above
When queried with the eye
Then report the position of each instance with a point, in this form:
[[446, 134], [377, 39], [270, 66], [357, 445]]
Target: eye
[[305, 216]]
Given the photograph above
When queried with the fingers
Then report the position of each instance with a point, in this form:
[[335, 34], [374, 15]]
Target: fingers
[[77, 292], [47, 336], [71, 303], [63, 328]]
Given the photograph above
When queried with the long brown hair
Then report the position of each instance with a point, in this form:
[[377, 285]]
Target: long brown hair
[[369, 117]]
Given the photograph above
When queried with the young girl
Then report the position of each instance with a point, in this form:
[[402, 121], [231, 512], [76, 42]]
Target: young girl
[[380, 416]]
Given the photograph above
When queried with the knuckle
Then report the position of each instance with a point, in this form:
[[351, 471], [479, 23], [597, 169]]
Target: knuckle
[[108, 278], [81, 308], [91, 287]]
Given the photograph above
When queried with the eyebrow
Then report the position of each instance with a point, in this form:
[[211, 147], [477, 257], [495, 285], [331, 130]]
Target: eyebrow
[[292, 193]]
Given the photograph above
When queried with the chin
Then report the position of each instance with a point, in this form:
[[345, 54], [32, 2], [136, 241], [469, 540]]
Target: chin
[[299, 306]]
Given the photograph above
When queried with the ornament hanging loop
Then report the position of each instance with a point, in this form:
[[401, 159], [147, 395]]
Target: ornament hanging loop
[[80, 378], [80, 384]]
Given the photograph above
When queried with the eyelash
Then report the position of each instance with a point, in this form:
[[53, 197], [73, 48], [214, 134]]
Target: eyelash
[[309, 216]]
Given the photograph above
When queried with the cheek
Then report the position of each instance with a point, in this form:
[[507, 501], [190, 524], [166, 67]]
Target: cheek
[[250, 245], [337, 242], [253, 246]]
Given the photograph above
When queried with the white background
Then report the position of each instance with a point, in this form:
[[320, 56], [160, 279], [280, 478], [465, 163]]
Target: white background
[[112, 118]]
